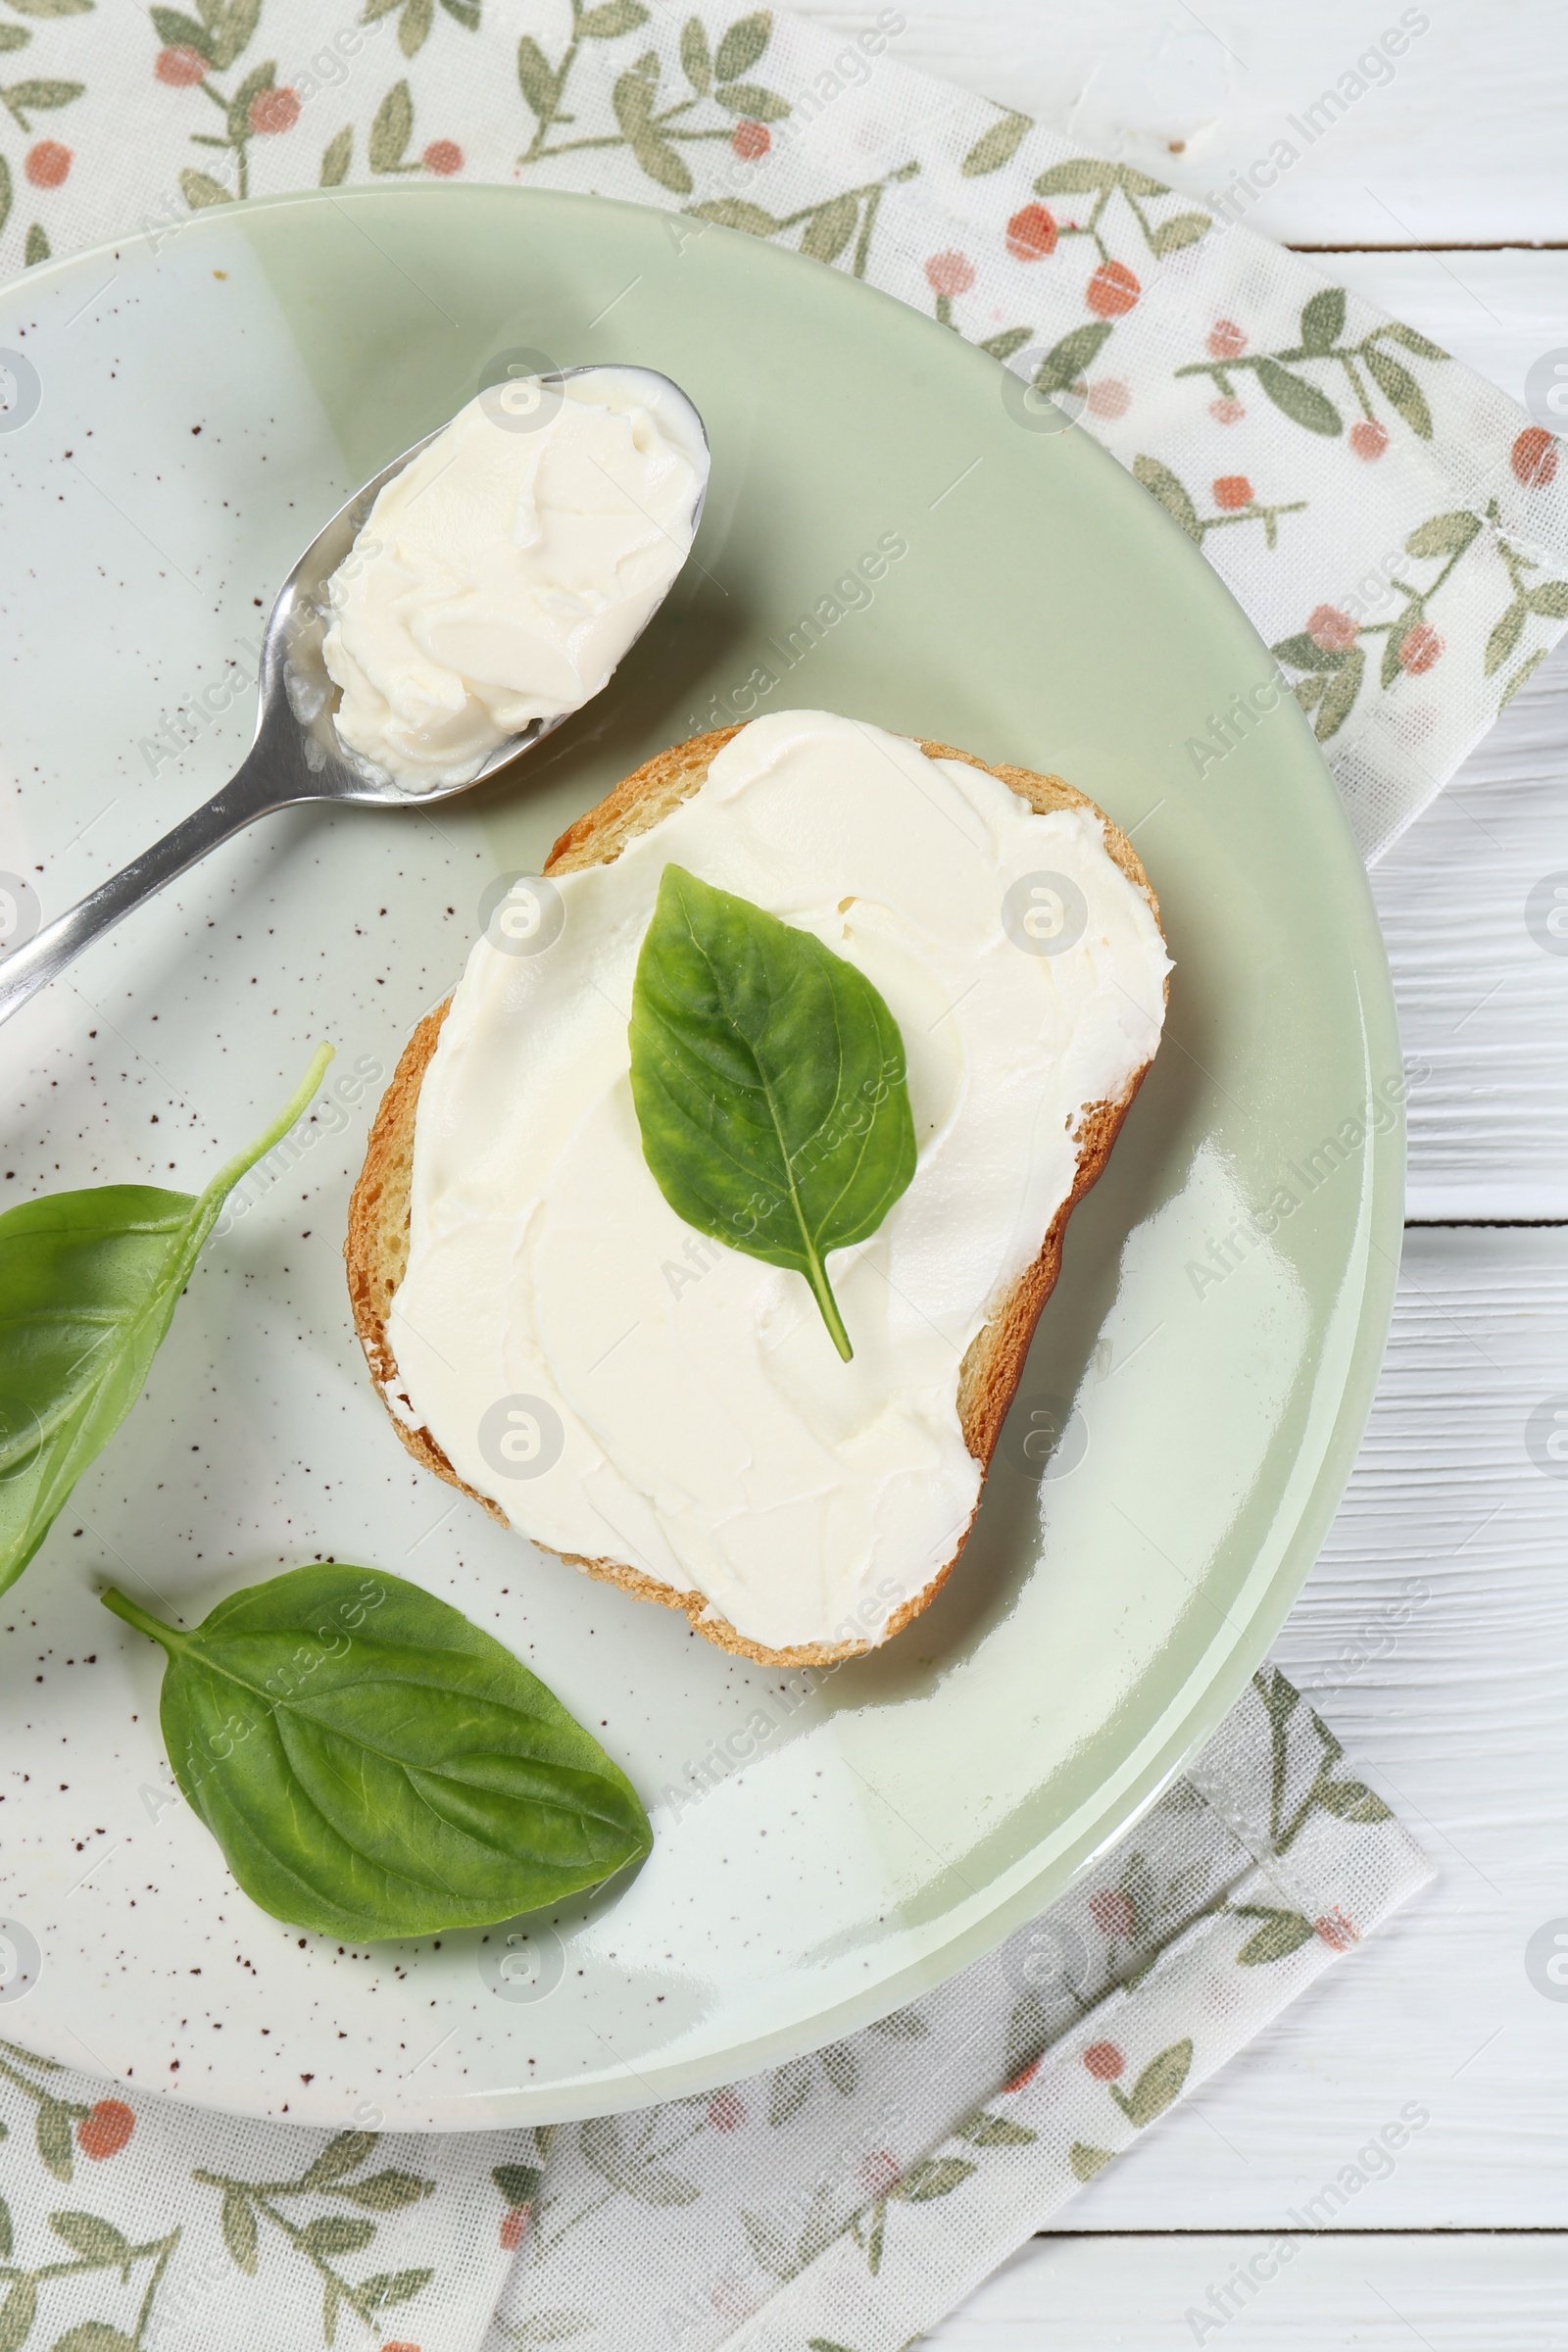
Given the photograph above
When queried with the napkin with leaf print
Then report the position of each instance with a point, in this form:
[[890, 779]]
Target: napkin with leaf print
[[1398, 530]]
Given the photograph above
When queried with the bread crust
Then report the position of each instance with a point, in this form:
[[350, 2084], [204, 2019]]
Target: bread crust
[[376, 1249]]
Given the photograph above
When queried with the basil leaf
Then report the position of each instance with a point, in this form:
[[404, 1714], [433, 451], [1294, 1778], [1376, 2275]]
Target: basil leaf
[[373, 1765], [88, 1284], [769, 1084]]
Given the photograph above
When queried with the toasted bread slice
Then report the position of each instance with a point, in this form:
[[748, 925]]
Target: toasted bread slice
[[377, 1249]]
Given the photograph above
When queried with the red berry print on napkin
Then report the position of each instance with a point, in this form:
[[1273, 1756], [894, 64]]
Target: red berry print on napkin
[[47, 164], [1105, 2061], [1331, 629], [751, 141], [1533, 457], [180, 68], [950, 274], [1419, 648], [105, 2129], [442, 157], [273, 111], [1111, 1911], [1112, 290], [1031, 233]]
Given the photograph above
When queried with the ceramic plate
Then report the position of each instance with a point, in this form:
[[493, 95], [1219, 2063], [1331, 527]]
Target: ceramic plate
[[890, 533]]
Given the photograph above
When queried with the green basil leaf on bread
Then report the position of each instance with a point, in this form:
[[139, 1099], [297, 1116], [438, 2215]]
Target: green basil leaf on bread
[[769, 1084]]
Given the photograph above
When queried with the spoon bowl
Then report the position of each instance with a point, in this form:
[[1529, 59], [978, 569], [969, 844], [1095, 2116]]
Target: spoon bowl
[[296, 753]]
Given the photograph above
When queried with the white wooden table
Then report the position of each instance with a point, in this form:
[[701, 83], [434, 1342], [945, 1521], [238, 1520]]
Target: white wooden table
[[1430, 193]]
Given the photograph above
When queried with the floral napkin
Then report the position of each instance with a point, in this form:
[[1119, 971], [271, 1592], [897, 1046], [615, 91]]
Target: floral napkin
[[1398, 529]]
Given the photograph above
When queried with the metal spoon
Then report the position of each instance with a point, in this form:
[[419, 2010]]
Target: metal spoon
[[296, 754]]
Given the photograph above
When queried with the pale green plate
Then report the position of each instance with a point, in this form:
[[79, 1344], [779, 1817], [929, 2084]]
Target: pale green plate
[[1037, 607]]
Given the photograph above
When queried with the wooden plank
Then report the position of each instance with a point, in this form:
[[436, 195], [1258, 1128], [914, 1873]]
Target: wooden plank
[[1434, 1635], [1385, 2292], [1461, 142], [1478, 943]]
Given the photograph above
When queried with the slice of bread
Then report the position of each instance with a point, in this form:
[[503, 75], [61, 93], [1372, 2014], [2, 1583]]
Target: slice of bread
[[378, 1245]]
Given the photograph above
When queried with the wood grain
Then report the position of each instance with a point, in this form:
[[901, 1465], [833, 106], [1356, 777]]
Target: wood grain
[[1482, 999], [1463, 143], [1388, 2292]]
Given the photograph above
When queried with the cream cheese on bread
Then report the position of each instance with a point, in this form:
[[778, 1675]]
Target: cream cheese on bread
[[708, 1434]]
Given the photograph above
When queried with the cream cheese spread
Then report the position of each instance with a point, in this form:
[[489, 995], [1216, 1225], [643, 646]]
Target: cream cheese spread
[[629, 1390], [500, 576]]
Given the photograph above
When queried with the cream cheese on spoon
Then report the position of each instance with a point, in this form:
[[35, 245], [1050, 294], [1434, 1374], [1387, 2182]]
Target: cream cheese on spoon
[[502, 576], [697, 1422]]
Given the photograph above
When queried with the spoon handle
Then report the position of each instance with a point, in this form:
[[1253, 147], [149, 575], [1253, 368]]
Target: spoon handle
[[245, 797]]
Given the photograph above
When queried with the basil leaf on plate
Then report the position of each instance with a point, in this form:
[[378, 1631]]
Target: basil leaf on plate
[[769, 1085], [372, 1765], [88, 1284]]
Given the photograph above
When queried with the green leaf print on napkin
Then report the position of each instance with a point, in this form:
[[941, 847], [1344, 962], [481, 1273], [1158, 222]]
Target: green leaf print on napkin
[[1281, 1933], [1156, 2087], [322, 2238], [653, 133], [1321, 327]]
